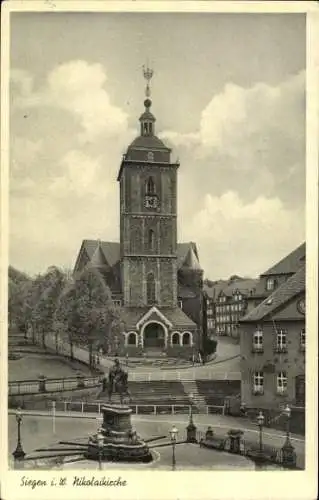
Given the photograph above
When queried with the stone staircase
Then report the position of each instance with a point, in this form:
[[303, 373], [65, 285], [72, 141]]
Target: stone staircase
[[190, 387]]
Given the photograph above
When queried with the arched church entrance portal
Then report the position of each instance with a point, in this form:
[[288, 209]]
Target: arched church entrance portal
[[154, 336]]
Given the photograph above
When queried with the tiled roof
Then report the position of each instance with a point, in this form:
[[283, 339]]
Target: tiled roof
[[111, 251], [177, 317], [131, 315], [228, 287], [191, 261], [289, 289], [244, 286], [213, 291], [147, 142], [290, 263]]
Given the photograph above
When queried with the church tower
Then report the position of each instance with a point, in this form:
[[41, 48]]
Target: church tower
[[148, 217], [155, 281]]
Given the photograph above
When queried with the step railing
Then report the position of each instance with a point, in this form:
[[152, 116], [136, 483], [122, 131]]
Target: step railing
[[83, 407], [43, 385]]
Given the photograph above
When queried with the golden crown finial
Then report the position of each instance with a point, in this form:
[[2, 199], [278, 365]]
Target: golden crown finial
[[148, 73]]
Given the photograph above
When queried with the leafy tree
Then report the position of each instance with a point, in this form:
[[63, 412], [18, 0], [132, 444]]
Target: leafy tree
[[86, 314], [53, 283], [17, 285]]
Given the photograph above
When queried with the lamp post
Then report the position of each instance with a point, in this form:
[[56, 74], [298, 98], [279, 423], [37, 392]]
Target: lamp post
[[173, 432], [258, 456], [288, 451], [53, 416], [18, 453], [260, 422], [191, 428], [100, 443]]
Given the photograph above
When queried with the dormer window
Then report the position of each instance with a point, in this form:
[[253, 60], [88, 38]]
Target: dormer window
[[270, 284]]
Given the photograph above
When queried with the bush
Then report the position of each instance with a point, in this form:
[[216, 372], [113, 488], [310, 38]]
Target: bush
[[210, 346]]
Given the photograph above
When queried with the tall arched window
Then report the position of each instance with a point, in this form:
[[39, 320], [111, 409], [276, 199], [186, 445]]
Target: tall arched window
[[150, 186], [186, 338], [151, 240], [131, 339], [175, 339], [150, 289]]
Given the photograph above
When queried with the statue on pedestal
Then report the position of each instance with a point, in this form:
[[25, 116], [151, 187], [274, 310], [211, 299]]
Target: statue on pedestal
[[118, 381]]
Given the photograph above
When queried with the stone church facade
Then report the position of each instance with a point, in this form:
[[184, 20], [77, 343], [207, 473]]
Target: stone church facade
[[156, 281]]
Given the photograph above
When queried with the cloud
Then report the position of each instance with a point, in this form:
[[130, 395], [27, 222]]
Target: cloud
[[235, 237], [249, 139], [78, 88], [80, 173]]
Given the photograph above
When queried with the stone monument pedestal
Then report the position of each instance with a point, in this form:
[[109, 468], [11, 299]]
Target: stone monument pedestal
[[120, 442]]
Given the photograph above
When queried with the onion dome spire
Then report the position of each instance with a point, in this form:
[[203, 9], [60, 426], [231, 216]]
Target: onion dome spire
[[147, 119]]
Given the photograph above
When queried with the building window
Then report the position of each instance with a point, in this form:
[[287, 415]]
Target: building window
[[117, 303], [150, 186], [175, 338], [180, 304], [258, 345], [281, 345], [210, 323], [270, 284], [258, 383], [281, 383], [186, 338], [150, 156], [151, 240], [150, 289], [303, 339], [131, 339]]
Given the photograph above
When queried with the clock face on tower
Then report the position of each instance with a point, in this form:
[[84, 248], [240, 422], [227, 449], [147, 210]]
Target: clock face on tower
[[301, 306], [151, 201]]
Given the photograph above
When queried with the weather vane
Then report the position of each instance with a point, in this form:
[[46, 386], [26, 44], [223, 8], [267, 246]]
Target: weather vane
[[148, 73]]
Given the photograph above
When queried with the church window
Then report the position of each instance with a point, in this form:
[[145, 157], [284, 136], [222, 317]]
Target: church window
[[131, 339], [150, 289], [151, 240], [150, 186], [186, 338], [175, 338]]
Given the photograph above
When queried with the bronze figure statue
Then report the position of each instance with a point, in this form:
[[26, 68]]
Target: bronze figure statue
[[118, 381]]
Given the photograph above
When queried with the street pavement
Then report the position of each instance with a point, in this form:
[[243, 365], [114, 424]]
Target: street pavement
[[40, 429], [226, 365]]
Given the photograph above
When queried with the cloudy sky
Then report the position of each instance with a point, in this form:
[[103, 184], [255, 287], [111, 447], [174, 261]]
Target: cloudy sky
[[228, 95]]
